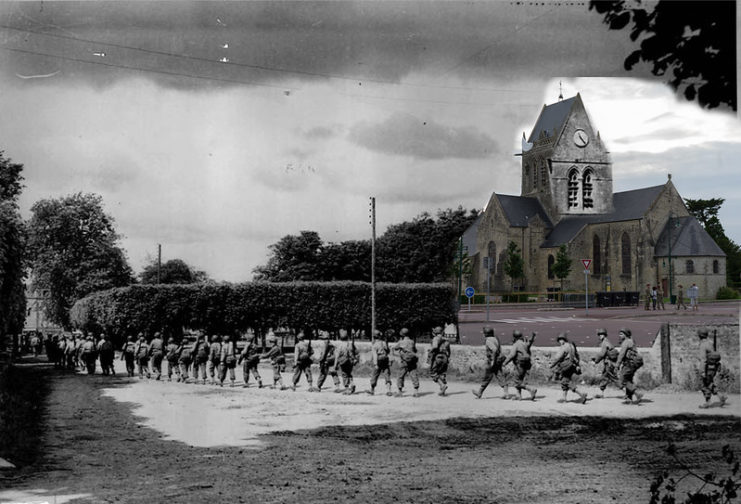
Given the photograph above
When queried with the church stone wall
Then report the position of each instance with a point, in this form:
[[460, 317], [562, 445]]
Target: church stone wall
[[707, 281]]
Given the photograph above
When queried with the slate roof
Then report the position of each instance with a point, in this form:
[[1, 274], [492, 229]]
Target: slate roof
[[688, 239], [627, 205], [519, 209], [552, 116]]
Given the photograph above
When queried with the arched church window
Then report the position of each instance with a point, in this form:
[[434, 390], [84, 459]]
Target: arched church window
[[551, 261], [573, 188], [586, 189], [716, 266], [596, 259], [625, 249], [690, 266]]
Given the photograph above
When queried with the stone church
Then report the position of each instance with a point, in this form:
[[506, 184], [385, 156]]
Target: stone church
[[567, 199]]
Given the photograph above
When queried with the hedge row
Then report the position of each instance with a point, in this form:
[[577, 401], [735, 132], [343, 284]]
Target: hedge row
[[226, 308]]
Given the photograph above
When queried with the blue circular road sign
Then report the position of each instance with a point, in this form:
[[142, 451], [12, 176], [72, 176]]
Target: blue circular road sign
[[469, 292]]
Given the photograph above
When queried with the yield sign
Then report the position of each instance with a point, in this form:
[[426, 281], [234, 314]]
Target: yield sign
[[586, 263]]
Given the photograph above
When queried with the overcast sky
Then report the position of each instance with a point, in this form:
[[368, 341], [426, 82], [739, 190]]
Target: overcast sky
[[217, 128]]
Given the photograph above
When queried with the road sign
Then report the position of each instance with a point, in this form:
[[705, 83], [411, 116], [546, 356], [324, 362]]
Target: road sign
[[586, 263], [470, 292]]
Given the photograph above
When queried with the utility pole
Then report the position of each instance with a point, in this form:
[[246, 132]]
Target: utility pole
[[159, 262], [373, 267], [460, 270], [670, 257]]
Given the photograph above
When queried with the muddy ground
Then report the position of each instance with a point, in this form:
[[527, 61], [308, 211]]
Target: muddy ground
[[92, 449]]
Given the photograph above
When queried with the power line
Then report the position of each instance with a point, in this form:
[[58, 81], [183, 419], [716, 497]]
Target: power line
[[254, 66]]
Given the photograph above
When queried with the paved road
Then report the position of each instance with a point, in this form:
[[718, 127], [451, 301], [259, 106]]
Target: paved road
[[582, 327]]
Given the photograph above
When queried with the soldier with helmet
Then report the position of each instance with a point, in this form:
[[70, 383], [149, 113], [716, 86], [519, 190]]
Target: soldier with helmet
[[380, 352], [346, 357], [327, 365], [494, 364], [142, 356], [520, 356], [157, 354], [709, 367], [608, 355], [407, 351], [128, 354], [250, 358], [186, 353], [628, 362], [172, 354], [214, 358], [89, 354], [200, 357], [107, 355], [566, 365], [438, 359], [302, 354], [277, 360], [227, 361]]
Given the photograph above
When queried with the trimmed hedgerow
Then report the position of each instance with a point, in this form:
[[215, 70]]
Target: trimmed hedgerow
[[225, 308]]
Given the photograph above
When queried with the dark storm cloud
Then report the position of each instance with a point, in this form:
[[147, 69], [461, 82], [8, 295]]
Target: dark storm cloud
[[405, 135], [269, 42]]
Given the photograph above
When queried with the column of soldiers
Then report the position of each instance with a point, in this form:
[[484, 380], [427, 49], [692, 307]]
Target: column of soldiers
[[217, 359]]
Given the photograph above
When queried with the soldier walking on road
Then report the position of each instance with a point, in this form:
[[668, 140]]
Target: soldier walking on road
[[142, 356], [200, 357], [227, 361], [327, 365], [302, 354], [709, 367], [407, 351], [494, 364], [628, 362], [380, 352], [520, 356], [89, 355], [186, 352], [128, 354], [250, 358], [345, 359], [214, 358], [277, 360], [566, 365], [439, 358], [107, 355], [172, 354], [607, 354], [680, 297], [647, 305], [157, 354]]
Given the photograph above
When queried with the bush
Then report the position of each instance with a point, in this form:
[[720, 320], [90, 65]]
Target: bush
[[225, 308], [727, 293]]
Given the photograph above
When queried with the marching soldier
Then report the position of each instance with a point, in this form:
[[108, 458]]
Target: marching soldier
[[709, 367], [172, 354], [142, 356], [520, 356], [186, 352], [608, 354], [157, 354], [214, 358], [302, 361], [277, 360], [107, 355], [407, 351], [438, 359], [494, 364], [227, 361], [89, 355], [128, 354], [250, 358], [327, 365], [345, 359], [380, 352], [628, 362], [566, 365], [200, 357]]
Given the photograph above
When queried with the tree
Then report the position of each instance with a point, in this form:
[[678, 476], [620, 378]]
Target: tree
[[692, 43], [12, 244], [513, 264], [73, 251], [347, 260], [562, 265], [174, 271], [706, 212], [293, 257]]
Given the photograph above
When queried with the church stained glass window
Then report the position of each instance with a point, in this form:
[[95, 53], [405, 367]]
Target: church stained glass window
[[573, 188], [587, 190]]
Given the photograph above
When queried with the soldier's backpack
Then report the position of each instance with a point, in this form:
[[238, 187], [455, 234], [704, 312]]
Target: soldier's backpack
[[407, 356], [129, 349], [304, 354], [612, 354], [712, 359], [634, 358]]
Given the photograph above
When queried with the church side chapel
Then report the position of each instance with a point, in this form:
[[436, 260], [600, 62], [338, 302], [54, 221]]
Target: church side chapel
[[567, 199]]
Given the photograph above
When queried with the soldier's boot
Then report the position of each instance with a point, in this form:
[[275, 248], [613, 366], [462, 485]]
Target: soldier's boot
[[637, 397], [600, 394], [505, 393], [706, 404], [443, 388], [259, 384], [563, 397], [477, 393], [532, 391], [582, 397], [388, 390], [723, 398], [337, 389], [372, 391], [293, 387], [400, 393], [351, 390], [416, 393]]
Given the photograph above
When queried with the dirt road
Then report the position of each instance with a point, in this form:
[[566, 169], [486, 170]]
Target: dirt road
[[111, 440]]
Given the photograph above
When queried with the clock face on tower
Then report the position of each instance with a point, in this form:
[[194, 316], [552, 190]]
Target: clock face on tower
[[581, 139]]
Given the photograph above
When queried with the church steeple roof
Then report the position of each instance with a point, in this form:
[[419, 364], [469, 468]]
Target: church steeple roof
[[551, 117]]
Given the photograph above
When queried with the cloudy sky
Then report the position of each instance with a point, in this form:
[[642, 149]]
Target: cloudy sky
[[217, 128]]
